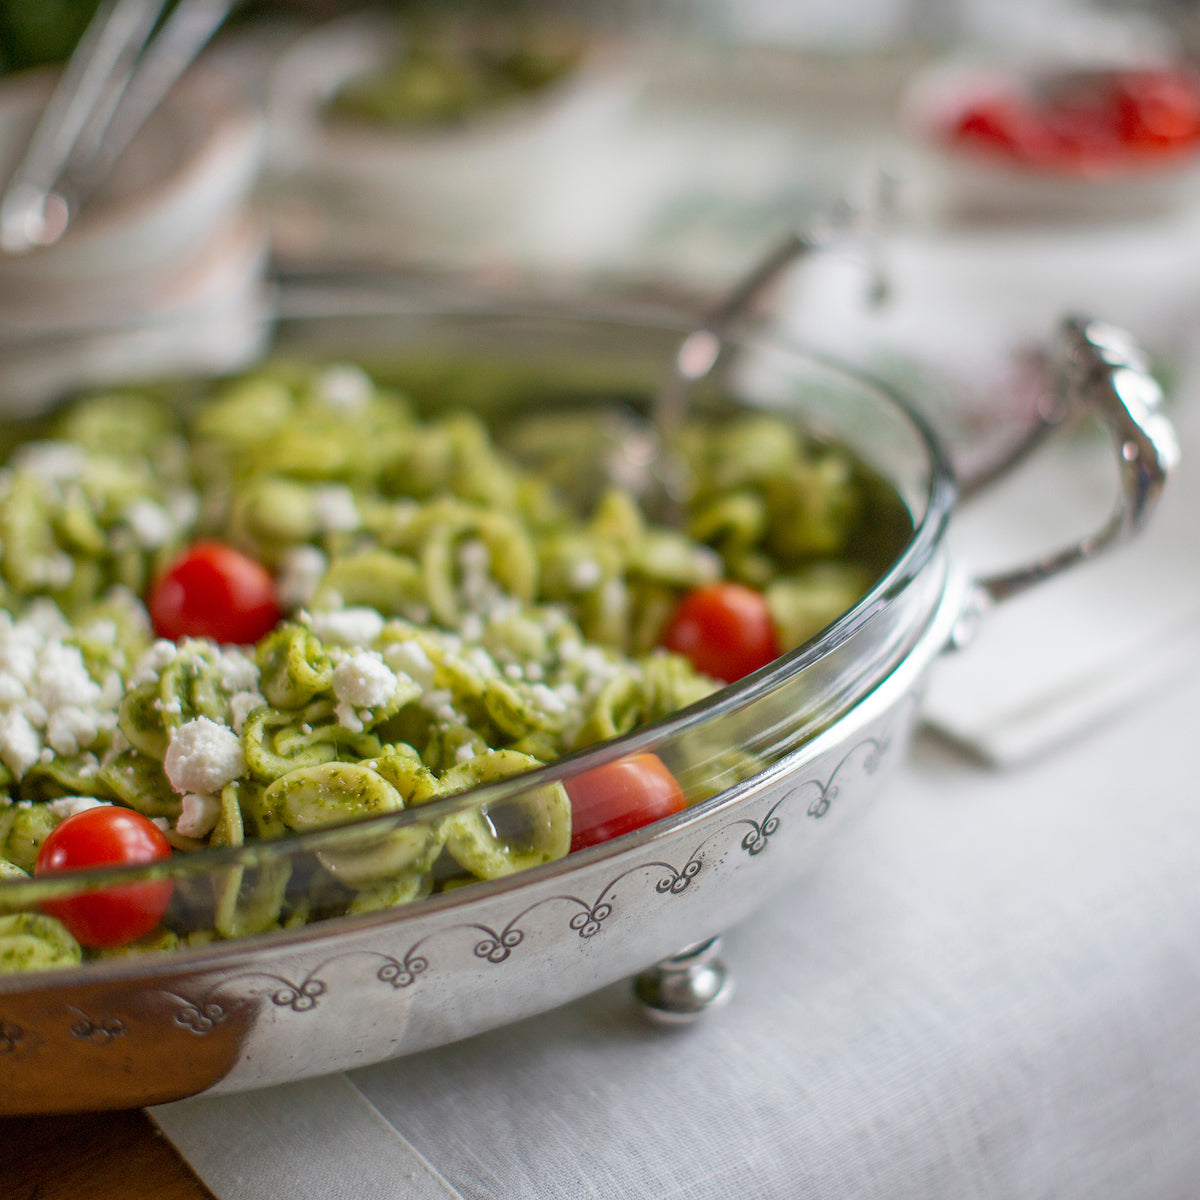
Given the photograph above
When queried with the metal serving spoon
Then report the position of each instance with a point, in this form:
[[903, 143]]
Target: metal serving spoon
[[118, 75], [643, 463]]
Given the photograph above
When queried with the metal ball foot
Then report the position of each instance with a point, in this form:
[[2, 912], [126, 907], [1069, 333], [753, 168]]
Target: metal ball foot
[[682, 988]]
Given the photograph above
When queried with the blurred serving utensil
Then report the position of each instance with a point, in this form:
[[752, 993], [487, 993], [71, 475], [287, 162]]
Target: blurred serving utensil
[[124, 65], [643, 462]]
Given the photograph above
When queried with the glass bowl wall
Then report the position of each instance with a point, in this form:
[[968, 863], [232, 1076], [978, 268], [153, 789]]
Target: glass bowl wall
[[496, 354]]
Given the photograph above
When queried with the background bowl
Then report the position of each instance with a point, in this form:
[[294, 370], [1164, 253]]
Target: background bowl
[[414, 192], [954, 177]]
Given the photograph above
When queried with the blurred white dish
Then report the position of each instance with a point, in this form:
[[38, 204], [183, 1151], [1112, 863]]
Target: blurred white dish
[[443, 192], [947, 177]]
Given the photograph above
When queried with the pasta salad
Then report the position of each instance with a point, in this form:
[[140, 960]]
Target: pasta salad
[[295, 601]]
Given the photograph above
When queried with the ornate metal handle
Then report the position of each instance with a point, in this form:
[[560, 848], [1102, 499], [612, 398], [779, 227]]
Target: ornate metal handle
[[1101, 368]]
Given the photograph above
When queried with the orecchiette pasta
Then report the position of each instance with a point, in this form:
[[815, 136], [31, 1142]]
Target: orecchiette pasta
[[460, 623]]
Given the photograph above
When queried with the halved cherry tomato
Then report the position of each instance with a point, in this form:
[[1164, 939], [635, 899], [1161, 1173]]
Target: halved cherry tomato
[[724, 630], [1157, 110], [1088, 122], [1003, 125], [214, 591], [107, 836], [621, 796]]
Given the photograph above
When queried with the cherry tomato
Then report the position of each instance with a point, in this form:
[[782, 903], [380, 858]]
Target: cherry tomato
[[1088, 122], [621, 796], [212, 590], [1012, 128], [1157, 111], [724, 630], [1001, 125], [107, 836]]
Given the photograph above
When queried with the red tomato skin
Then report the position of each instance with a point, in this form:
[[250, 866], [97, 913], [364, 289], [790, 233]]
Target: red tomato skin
[[1003, 126], [1158, 111], [724, 630], [619, 797], [1088, 125], [212, 590], [107, 836]]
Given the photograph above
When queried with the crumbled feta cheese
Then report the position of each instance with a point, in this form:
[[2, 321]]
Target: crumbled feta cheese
[[62, 678], [55, 462], [68, 806], [241, 705], [595, 664], [300, 575], [440, 703], [57, 570], [161, 654], [612, 598], [18, 658], [410, 657], [583, 574], [184, 507], [48, 700], [43, 615], [334, 507], [548, 699], [474, 561], [345, 386], [237, 670], [348, 626], [100, 630], [20, 745], [111, 692], [70, 728], [203, 757], [364, 680], [152, 525], [348, 717], [199, 815]]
